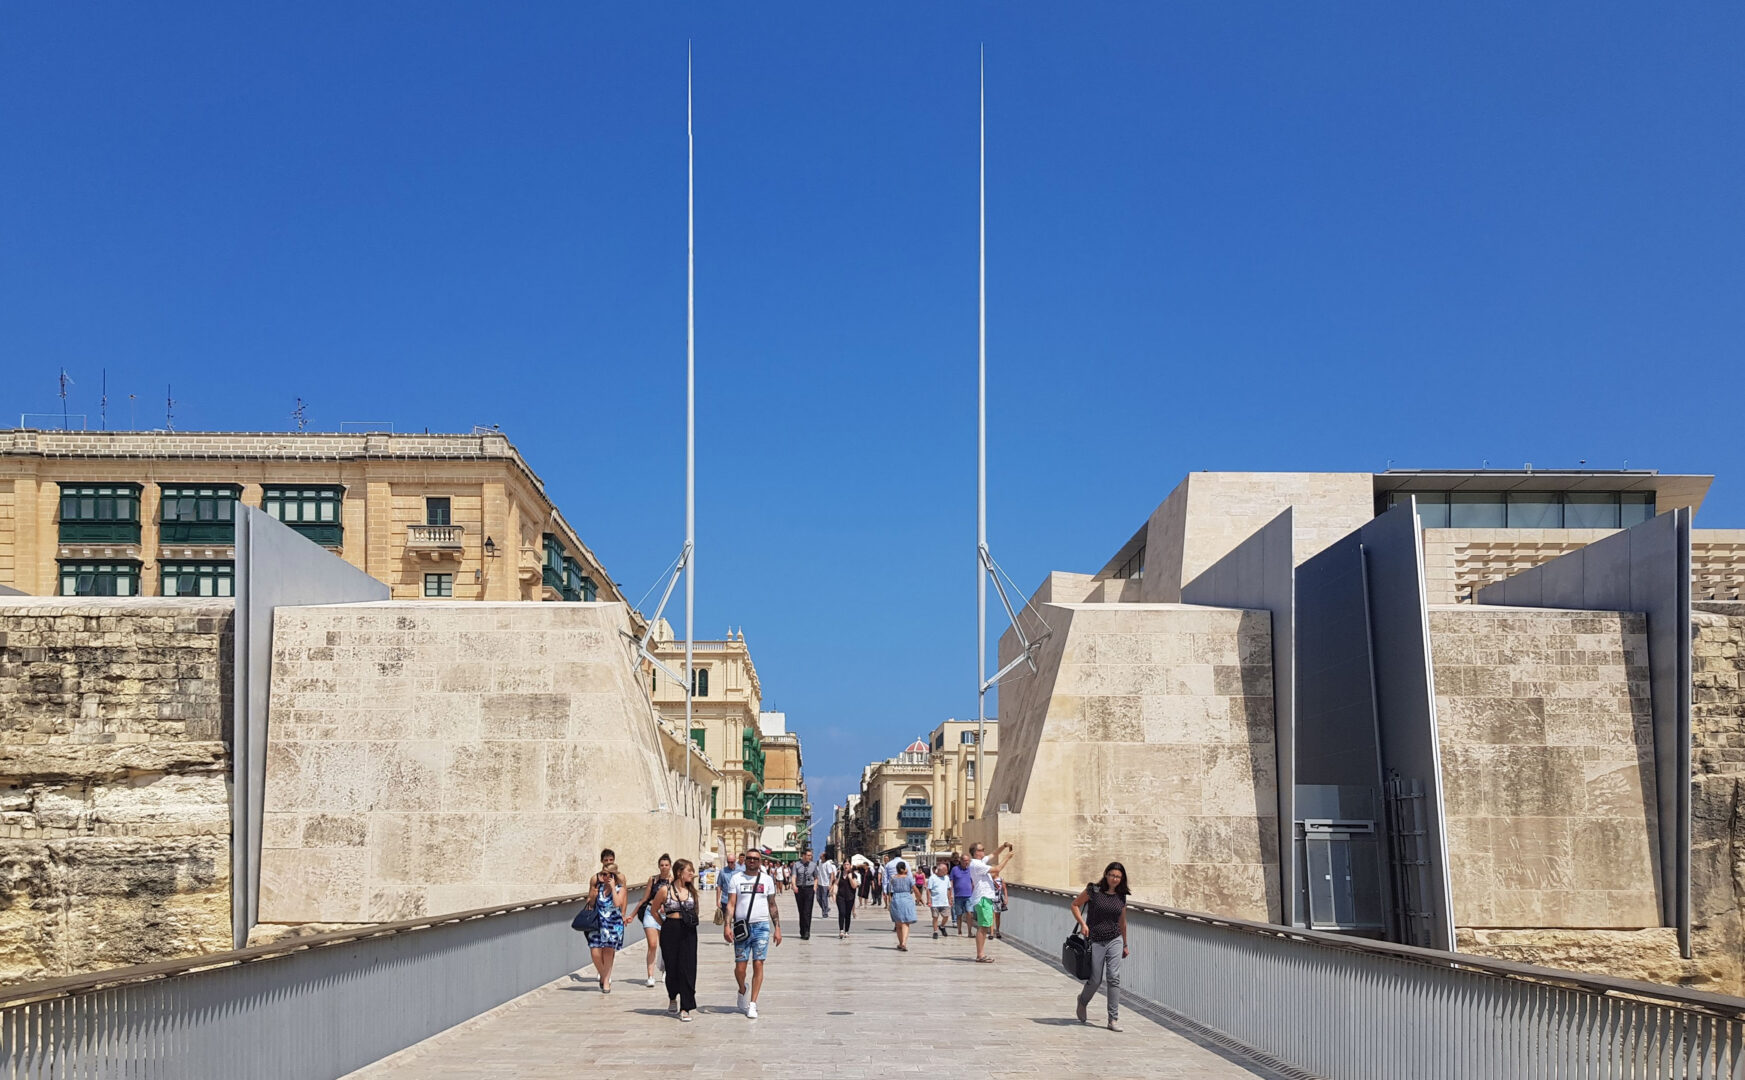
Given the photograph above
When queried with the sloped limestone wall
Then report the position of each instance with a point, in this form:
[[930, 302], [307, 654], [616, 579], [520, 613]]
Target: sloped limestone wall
[[1146, 738], [114, 811], [1547, 767], [427, 758]]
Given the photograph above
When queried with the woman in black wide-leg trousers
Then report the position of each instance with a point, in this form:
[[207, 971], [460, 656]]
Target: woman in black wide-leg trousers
[[678, 938]]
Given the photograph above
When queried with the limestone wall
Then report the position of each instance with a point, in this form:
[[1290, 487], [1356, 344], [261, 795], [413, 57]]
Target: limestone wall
[[1147, 738], [430, 757], [1547, 767], [1210, 513], [114, 815]]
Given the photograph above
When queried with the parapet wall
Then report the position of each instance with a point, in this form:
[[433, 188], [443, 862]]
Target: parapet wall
[[430, 757], [114, 809]]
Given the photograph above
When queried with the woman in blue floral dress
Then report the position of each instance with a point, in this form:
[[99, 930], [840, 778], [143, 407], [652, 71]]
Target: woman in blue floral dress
[[609, 901]]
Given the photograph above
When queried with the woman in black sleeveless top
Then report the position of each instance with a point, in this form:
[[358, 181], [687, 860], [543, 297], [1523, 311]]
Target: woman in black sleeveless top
[[675, 902], [1101, 912]]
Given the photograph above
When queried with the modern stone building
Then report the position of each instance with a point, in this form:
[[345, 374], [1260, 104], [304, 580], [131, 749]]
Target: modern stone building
[[724, 724], [179, 775], [1488, 711], [134, 513]]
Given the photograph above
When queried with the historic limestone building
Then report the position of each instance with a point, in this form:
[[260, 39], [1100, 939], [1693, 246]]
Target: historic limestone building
[[724, 724], [136, 513], [788, 809], [919, 801], [1487, 710]]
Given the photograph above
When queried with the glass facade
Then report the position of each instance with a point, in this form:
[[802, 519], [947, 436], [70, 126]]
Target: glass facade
[[210, 578], [100, 513], [552, 570], [1529, 509], [915, 814]]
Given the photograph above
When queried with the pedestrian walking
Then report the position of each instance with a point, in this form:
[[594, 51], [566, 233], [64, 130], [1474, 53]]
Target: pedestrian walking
[[880, 879], [677, 905], [1101, 912], [827, 875], [962, 885], [983, 871], [649, 917], [724, 886], [939, 897], [902, 903], [755, 924], [806, 890], [608, 890], [846, 884], [866, 880]]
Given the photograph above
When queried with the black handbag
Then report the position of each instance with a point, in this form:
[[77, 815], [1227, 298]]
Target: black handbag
[[587, 920], [1075, 956]]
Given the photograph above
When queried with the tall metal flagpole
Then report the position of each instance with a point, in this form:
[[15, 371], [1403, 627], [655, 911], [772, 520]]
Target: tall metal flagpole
[[690, 414], [982, 470]]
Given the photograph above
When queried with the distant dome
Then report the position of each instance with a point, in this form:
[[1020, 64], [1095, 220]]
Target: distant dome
[[916, 747]]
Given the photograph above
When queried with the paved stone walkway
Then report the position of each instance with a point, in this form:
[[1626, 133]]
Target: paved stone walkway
[[846, 1009]]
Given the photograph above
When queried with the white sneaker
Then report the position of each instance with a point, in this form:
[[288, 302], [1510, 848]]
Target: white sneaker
[[651, 980], [743, 1001], [751, 1010]]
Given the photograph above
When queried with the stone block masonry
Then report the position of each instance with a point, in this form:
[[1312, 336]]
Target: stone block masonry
[[433, 757], [114, 811]]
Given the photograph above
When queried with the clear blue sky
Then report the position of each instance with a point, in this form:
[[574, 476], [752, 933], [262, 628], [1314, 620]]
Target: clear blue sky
[[1220, 237]]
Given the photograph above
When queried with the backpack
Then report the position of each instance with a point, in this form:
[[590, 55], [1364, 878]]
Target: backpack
[[1075, 956]]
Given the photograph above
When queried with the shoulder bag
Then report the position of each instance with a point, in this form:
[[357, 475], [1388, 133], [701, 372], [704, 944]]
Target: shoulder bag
[[587, 920]]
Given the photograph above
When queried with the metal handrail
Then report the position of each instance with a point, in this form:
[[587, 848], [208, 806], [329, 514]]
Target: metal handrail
[[73, 985], [1719, 1005]]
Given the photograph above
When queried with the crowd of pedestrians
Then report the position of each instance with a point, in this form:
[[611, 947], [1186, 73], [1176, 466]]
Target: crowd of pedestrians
[[965, 892]]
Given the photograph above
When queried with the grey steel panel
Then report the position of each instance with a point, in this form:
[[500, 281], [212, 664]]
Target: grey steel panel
[[308, 1010], [275, 567], [1347, 1008], [7, 590], [1644, 568], [1260, 576], [1405, 684]]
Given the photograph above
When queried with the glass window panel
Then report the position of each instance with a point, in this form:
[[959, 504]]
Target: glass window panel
[[205, 509], [223, 506], [308, 511], [1433, 509], [274, 511], [1535, 510], [1476, 510], [87, 508], [69, 507], [1636, 508], [329, 511], [1591, 510]]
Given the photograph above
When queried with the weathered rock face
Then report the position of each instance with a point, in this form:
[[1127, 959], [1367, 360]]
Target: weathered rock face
[[114, 806]]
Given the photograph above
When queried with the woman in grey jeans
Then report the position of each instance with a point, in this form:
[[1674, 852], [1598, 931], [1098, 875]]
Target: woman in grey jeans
[[1101, 912]]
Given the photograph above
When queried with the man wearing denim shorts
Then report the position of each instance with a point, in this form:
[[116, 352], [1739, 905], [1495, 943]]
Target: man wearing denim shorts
[[752, 890]]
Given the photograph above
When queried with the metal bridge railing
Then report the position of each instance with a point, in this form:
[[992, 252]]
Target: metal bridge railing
[[310, 1008], [1341, 1007]]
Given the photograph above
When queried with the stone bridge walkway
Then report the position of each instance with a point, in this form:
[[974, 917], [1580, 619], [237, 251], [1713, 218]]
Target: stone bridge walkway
[[844, 1009]]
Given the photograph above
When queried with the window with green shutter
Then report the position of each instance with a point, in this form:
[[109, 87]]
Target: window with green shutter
[[99, 578], [198, 515], [314, 511], [206, 578], [99, 513]]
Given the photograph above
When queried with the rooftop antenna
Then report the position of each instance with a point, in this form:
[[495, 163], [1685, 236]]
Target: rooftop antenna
[[300, 415], [132, 400], [169, 409], [103, 403], [685, 566], [987, 570], [66, 381]]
